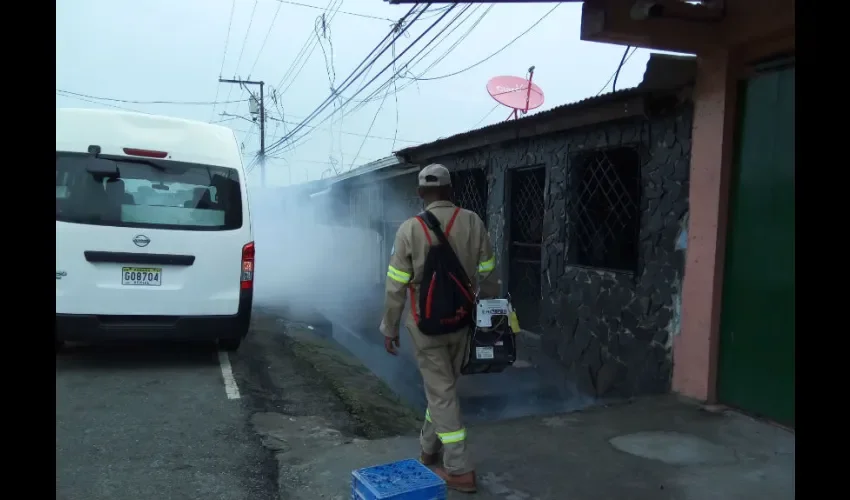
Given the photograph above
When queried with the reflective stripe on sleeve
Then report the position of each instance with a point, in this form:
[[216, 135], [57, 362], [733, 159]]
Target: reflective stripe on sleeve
[[487, 265], [396, 275], [452, 437]]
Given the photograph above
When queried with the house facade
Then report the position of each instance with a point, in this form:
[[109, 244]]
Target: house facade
[[585, 204], [737, 341], [737, 345]]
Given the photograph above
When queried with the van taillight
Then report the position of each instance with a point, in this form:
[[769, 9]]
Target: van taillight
[[247, 276], [149, 153]]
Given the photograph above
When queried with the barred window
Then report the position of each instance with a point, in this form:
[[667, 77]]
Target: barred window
[[605, 209], [469, 190]]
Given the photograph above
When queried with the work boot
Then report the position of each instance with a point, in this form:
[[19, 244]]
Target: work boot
[[429, 459], [464, 483]]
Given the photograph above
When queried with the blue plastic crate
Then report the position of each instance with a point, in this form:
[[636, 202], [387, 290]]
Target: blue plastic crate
[[403, 480]]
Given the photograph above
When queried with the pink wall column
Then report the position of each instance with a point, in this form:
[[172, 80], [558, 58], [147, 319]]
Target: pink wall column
[[695, 348]]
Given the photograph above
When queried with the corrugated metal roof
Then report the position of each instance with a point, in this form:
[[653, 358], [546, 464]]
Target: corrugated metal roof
[[375, 166], [542, 115], [663, 71]]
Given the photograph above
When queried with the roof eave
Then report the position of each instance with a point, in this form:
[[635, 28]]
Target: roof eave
[[596, 113]]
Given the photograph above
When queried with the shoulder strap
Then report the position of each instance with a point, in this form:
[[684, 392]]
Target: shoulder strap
[[434, 224]]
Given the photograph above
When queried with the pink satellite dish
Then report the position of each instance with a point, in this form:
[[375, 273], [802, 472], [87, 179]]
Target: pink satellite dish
[[519, 94]]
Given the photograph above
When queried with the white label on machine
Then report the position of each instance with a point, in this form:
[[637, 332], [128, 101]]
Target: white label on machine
[[483, 353], [489, 308]]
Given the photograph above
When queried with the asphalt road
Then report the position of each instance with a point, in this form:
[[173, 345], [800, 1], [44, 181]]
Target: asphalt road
[[157, 421]]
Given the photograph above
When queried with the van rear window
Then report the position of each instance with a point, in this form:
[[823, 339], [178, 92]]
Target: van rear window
[[146, 193]]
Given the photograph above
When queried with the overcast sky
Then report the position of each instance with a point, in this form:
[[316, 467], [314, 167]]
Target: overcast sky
[[172, 50]]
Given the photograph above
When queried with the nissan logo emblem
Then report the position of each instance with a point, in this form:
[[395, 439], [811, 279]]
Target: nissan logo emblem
[[141, 240]]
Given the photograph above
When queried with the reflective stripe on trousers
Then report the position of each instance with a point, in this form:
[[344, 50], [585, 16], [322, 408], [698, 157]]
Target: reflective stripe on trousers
[[452, 437], [447, 437]]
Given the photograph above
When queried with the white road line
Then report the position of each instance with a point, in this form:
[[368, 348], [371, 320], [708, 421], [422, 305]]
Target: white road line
[[230, 387]]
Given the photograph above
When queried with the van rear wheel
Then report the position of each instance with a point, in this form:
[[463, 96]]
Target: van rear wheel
[[229, 345]]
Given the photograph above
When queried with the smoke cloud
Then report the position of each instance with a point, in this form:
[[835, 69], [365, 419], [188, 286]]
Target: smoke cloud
[[319, 263]]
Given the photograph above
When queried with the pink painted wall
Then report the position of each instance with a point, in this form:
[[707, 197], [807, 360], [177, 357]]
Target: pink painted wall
[[750, 30], [695, 348]]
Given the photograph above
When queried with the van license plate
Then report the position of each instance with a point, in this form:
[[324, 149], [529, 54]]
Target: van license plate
[[144, 276]]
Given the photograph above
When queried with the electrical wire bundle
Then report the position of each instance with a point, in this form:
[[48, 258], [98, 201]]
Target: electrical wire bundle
[[384, 88], [293, 138], [397, 32]]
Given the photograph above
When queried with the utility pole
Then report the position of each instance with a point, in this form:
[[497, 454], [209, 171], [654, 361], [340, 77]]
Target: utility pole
[[262, 110]]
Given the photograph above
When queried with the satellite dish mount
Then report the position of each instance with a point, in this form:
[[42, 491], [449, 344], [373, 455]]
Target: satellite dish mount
[[519, 94]]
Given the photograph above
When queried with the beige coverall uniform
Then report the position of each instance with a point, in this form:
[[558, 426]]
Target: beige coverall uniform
[[439, 357]]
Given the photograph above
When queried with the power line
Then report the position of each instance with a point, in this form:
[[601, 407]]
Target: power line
[[248, 134], [395, 97], [416, 59], [346, 132], [305, 47], [96, 100], [242, 51], [373, 95], [298, 160], [100, 103], [415, 41], [394, 78], [413, 80], [355, 74], [327, 35], [317, 41], [614, 75], [224, 55], [619, 67], [356, 14], [254, 161], [128, 101], [295, 61], [247, 32], [459, 40], [406, 67], [273, 90], [485, 116], [494, 54], [434, 13], [349, 99], [395, 74], [265, 39], [372, 124], [330, 69]]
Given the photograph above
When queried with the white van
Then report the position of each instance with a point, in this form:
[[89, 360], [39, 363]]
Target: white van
[[153, 231]]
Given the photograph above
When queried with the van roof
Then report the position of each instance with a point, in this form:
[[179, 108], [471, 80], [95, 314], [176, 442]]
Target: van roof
[[113, 130]]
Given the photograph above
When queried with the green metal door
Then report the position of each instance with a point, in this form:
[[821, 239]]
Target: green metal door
[[756, 358]]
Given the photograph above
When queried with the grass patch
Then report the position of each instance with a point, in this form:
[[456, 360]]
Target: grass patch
[[375, 411]]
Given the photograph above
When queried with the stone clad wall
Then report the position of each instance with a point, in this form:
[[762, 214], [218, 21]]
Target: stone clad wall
[[611, 330]]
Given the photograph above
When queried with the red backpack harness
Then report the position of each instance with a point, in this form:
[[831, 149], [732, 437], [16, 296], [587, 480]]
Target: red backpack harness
[[428, 236]]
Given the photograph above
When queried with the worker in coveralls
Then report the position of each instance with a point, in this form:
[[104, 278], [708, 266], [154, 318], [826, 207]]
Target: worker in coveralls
[[439, 357]]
